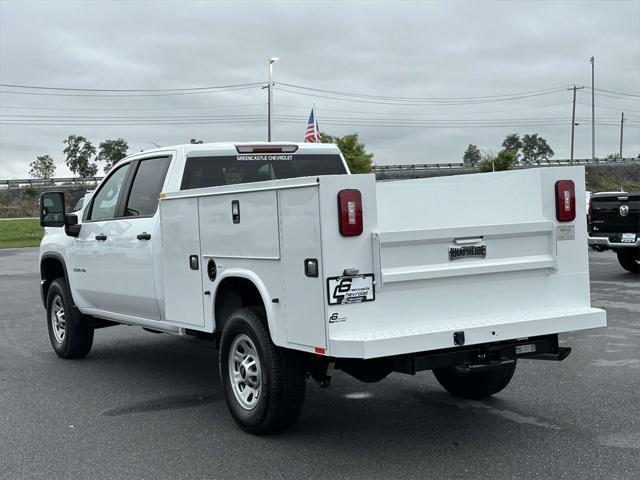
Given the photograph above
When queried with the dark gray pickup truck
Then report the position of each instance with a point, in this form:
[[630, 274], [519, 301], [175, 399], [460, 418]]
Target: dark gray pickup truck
[[613, 222]]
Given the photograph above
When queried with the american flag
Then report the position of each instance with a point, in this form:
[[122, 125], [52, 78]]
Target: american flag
[[313, 134]]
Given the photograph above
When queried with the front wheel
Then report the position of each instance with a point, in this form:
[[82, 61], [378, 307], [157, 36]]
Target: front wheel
[[264, 385], [629, 259], [68, 336], [466, 382]]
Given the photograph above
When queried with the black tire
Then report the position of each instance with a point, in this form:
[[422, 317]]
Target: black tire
[[629, 259], [467, 383], [275, 394], [68, 336]]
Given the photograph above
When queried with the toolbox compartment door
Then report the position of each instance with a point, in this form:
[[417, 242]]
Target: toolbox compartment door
[[180, 241]]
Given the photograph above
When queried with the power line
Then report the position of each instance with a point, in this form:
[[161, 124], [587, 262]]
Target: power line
[[392, 123], [199, 107], [442, 125], [279, 105], [616, 93], [383, 97], [108, 95], [113, 117], [87, 124], [625, 98], [327, 109], [407, 103], [115, 90], [616, 109]]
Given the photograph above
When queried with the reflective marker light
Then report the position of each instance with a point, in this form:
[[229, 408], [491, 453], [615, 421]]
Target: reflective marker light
[[266, 148], [350, 212], [565, 200]]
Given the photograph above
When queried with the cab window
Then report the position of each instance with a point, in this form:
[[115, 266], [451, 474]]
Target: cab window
[[200, 172], [146, 187], [106, 200]]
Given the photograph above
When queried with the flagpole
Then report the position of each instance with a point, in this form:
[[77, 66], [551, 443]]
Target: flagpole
[[315, 120]]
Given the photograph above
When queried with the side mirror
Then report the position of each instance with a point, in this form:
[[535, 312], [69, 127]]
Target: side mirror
[[52, 209], [52, 213]]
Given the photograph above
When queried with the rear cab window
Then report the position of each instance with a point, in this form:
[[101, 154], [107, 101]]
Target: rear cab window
[[213, 171], [146, 187]]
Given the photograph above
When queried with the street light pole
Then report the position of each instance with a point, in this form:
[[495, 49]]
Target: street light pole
[[621, 133], [593, 111], [272, 60], [573, 118]]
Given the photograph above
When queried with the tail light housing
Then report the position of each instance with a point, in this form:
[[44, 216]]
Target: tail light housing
[[565, 200], [268, 148], [350, 212], [589, 212]]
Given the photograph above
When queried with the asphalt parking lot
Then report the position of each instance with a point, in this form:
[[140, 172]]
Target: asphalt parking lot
[[150, 406]]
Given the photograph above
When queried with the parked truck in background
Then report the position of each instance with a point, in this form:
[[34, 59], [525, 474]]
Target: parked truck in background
[[613, 222], [292, 267]]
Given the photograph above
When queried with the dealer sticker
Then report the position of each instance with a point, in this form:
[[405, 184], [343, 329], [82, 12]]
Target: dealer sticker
[[566, 232], [355, 289]]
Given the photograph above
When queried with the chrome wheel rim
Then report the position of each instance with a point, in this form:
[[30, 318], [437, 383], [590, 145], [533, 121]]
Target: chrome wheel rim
[[245, 374], [58, 319]]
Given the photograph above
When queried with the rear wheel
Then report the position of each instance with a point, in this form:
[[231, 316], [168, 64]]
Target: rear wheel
[[629, 259], [465, 382], [68, 336], [264, 385]]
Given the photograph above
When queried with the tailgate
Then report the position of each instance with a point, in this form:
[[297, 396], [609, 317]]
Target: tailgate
[[615, 213]]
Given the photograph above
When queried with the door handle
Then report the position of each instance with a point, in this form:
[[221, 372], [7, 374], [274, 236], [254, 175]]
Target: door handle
[[144, 236], [101, 237]]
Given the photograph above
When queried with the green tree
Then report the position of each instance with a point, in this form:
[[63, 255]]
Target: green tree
[[613, 156], [472, 155], [354, 152], [535, 149], [79, 152], [112, 151], [42, 167], [195, 141], [513, 143], [504, 160]]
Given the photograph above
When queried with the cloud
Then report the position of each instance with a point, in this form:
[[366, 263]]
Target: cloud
[[403, 49]]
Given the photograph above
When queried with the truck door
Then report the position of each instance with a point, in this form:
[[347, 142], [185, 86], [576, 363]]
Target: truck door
[[135, 237], [90, 269]]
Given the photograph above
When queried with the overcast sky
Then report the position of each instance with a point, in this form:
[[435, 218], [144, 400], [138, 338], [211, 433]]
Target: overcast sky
[[452, 53]]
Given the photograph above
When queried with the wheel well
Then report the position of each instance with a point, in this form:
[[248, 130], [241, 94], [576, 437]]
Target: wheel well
[[50, 269], [234, 293]]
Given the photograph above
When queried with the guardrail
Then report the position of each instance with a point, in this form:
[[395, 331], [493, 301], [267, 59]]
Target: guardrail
[[50, 182], [93, 181], [462, 166]]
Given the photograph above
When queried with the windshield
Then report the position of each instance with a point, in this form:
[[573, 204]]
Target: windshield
[[213, 171]]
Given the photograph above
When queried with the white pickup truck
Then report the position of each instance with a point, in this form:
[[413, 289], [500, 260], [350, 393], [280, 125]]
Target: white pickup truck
[[293, 266]]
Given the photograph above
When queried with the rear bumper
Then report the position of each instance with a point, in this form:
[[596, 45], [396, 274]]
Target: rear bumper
[[476, 331], [605, 243]]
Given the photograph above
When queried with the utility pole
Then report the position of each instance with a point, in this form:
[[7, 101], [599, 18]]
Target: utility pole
[[573, 118], [621, 132], [593, 111], [272, 60]]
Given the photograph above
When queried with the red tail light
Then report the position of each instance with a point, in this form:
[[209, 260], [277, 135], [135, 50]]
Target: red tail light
[[565, 200], [350, 212], [589, 212]]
